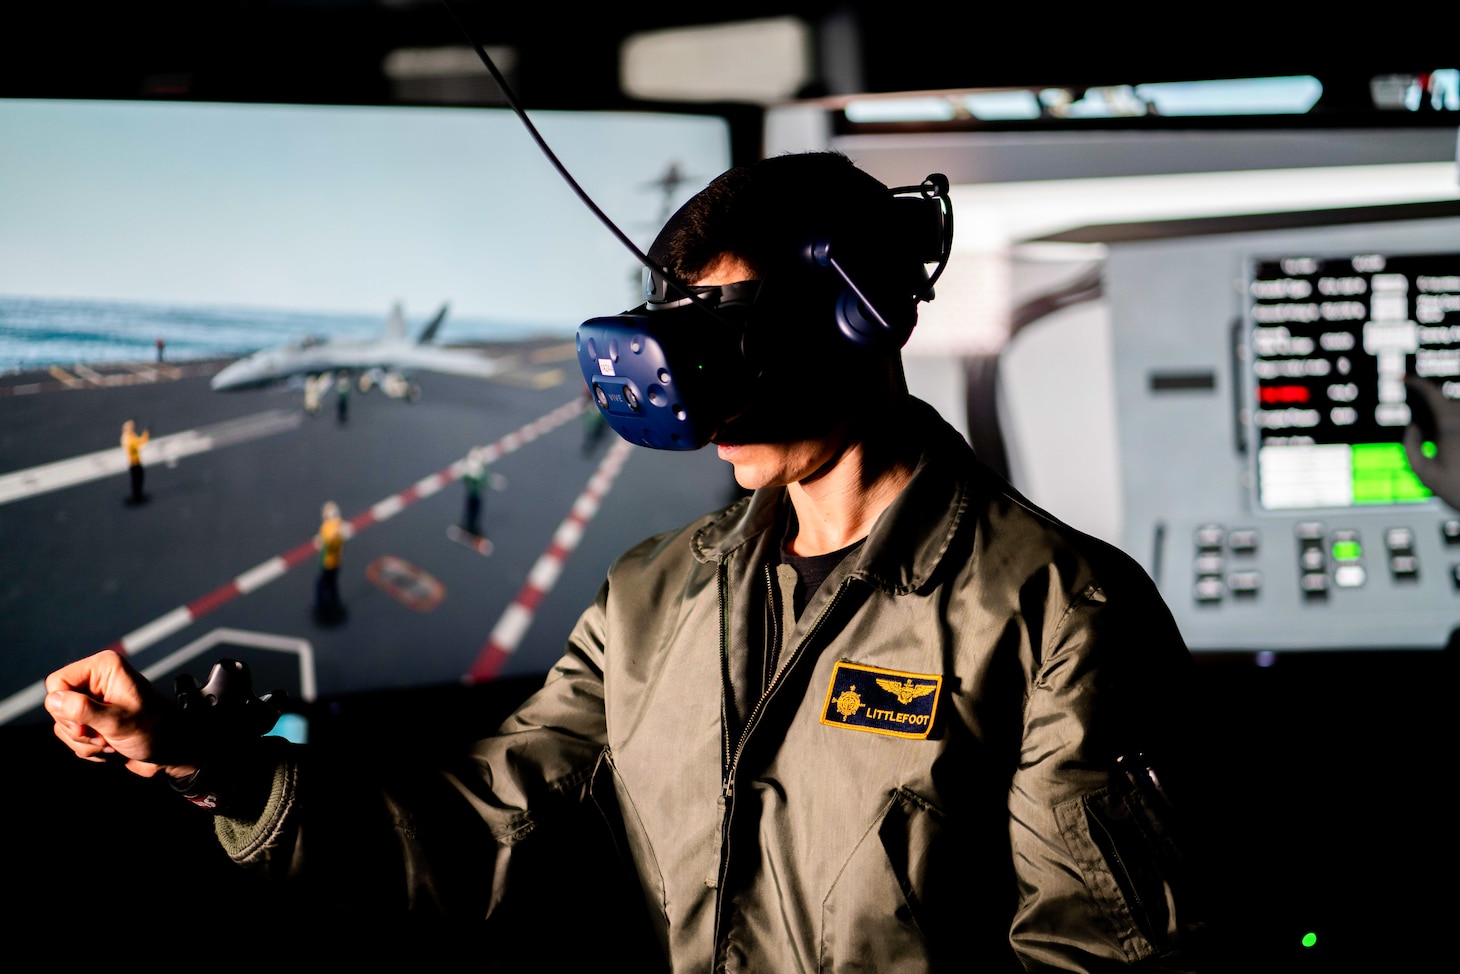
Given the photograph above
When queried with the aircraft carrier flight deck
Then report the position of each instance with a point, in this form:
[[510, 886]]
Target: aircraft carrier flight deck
[[220, 561]]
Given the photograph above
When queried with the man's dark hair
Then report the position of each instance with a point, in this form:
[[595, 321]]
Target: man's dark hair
[[766, 214]]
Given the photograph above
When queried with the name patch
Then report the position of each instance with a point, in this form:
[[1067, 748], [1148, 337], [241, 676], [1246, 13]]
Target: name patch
[[869, 698]]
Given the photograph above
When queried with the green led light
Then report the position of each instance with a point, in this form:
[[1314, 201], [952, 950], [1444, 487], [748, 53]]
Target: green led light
[[1346, 551], [1429, 449], [1309, 939]]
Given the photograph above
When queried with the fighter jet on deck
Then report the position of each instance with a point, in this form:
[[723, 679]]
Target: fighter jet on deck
[[384, 362]]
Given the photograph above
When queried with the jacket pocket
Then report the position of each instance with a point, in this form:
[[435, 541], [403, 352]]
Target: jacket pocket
[[869, 919], [1124, 855], [626, 832]]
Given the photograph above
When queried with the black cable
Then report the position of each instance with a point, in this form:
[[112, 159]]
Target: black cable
[[542, 144], [547, 151]]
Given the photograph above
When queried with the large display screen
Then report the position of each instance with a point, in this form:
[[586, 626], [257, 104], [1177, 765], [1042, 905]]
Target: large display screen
[[1330, 341], [404, 284]]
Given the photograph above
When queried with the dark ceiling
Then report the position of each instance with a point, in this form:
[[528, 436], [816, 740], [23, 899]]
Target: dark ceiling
[[567, 54]]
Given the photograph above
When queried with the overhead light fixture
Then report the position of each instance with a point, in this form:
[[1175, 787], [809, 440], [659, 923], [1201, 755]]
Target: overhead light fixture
[[410, 63], [1293, 95], [920, 108], [756, 61], [453, 74], [1001, 106], [988, 106], [1240, 96], [1113, 101]]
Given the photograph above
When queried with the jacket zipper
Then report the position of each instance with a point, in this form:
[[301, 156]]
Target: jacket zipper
[[771, 652], [714, 875], [1138, 906], [727, 785], [789, 665], [722, 577], [767, 674]]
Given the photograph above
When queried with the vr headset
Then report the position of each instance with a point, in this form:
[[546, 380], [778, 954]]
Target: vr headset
[[669, 373]]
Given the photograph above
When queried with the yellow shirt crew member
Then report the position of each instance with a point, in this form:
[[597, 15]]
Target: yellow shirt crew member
[[132, 443], [331, 541]]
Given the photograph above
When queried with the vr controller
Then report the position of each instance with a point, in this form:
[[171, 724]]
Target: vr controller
[[225, 710], [669, 373]]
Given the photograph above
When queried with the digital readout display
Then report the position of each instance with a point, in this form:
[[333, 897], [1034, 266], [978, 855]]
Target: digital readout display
[[1330, 341]]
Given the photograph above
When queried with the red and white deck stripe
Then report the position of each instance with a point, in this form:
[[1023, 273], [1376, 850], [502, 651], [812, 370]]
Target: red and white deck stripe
[[265, 572], [509, 630]]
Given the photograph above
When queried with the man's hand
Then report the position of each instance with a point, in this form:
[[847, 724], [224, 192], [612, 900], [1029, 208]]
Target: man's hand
[[1435, 420], [104, 710]]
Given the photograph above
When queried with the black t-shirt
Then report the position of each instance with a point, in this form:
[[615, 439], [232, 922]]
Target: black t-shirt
[[811, 570]]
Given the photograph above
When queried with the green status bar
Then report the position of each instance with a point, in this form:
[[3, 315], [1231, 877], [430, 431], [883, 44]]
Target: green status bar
[[1382, 475]]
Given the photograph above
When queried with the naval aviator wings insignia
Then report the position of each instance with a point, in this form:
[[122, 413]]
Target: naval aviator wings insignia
[[906, 691], [881, 701]]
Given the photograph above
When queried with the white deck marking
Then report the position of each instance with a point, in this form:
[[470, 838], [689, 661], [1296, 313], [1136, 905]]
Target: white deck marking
[[87, 467]]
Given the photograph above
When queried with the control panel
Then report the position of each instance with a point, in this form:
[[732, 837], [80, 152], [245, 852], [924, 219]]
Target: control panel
[[1261, 411]]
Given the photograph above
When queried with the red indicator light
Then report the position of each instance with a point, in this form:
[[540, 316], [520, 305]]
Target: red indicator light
[[1282, 394]]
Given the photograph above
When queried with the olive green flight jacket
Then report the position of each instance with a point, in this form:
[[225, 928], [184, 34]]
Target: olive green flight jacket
[[951, 761]]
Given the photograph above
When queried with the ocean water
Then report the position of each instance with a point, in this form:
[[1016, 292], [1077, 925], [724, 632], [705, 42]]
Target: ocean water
[[39, 332]]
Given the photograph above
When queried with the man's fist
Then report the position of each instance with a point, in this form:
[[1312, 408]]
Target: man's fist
[[103, 708]]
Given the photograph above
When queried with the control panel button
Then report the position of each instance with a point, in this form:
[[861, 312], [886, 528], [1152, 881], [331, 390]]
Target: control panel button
[[1345, 546], [1209, 563], [1242, 541], [1312, 559], [1210, 537], [1399, 539], [1348, 576], [1244, 583], [1309, 530], [1209, 590]]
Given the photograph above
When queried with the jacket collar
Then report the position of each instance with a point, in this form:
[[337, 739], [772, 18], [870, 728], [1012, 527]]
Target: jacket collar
[[909, 539]]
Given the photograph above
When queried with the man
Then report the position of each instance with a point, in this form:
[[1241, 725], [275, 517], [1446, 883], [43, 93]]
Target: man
[[342, 397], [132, 443], [331, 543], [882, 714], [474, 476]]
